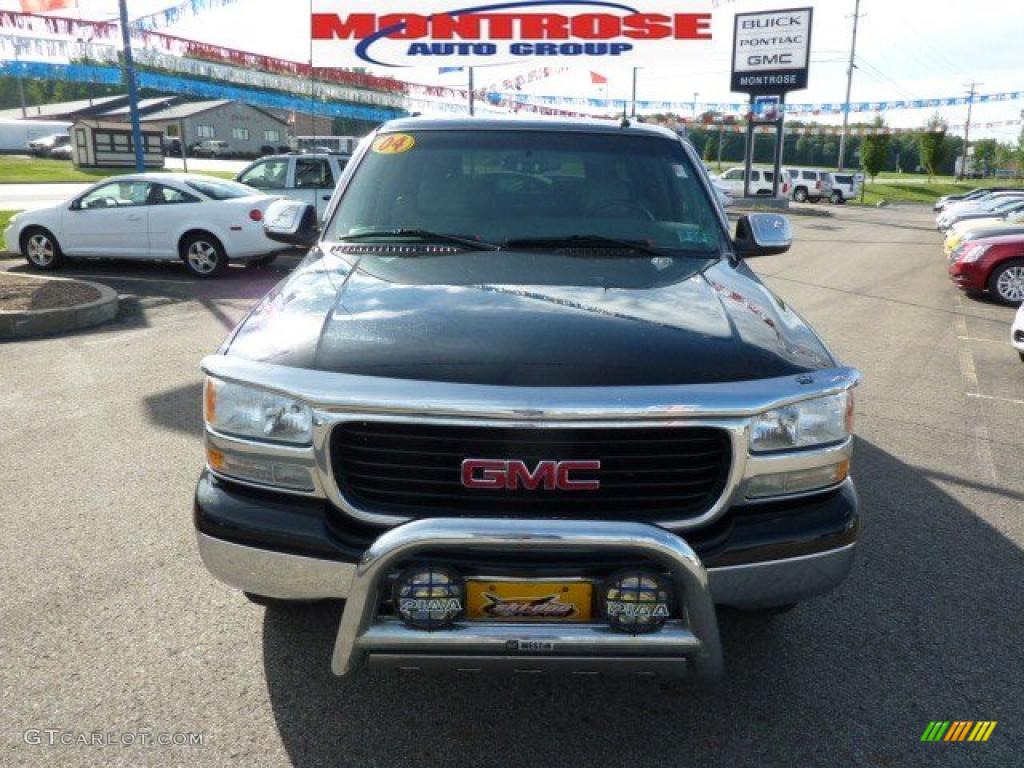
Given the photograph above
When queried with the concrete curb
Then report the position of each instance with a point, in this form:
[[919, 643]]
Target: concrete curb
[[43, 322]]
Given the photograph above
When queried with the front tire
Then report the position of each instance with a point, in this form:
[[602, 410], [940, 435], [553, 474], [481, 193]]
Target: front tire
[[1006, 283], [41, 250], [836, 198], [800, 195], [204, 255]]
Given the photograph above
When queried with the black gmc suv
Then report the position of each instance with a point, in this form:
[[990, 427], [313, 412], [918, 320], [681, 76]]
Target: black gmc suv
[[524, 405]]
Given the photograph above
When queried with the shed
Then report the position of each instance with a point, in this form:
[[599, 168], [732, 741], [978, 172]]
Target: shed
[[96, 144]]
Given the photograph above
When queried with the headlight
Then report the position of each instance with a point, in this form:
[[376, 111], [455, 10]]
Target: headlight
[[236, 409], [973, 253], [804, 424]]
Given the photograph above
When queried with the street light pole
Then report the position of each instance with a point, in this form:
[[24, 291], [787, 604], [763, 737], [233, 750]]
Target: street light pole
[[849, 85], [133, 90]]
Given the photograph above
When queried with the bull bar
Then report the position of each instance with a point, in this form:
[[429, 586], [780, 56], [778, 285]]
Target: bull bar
[[690, 647]]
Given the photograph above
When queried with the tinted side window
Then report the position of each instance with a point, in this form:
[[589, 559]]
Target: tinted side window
[[161, 195], [313, 173]]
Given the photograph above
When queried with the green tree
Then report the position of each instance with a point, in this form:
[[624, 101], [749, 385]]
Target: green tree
[[985, 155], [711, 148], [874, 150], [932, 144]]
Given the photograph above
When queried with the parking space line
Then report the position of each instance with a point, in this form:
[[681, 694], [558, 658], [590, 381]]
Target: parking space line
[[977, 338], [995, 397], [969, 375]]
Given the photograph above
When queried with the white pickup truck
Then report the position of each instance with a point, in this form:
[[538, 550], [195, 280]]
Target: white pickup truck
[[305, 178]]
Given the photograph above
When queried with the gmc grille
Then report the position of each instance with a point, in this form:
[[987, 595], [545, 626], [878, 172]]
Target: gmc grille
[[414, 470]]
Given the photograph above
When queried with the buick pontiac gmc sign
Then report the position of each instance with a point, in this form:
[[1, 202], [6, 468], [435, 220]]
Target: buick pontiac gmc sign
[[771, 51], [397, 33]]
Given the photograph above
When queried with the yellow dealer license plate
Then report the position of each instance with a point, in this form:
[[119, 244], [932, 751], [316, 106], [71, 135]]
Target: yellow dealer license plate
[[534, 600]]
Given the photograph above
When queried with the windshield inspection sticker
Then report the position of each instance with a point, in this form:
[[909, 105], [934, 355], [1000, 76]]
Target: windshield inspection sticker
[[393, 143]]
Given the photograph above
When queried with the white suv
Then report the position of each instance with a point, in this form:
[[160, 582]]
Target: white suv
[[845, 186], [809, 184], [760, 182]]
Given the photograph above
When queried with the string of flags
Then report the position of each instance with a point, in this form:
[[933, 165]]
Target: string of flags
[[55, 38], [835, 130], [177, 13], [824, 108]]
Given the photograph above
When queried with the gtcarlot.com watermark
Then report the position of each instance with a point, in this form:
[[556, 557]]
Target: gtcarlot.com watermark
[[59, 737]]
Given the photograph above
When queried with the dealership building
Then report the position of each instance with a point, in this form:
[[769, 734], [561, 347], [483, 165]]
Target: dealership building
[[246, 129]]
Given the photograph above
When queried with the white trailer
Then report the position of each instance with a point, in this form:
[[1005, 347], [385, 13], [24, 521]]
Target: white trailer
[[16, 134]]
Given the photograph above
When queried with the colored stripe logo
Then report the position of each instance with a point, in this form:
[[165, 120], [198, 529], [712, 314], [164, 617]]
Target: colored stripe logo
[[958, 730]]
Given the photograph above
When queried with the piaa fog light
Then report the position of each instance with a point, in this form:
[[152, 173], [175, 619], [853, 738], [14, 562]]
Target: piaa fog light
[[636, 601], [428, 597]]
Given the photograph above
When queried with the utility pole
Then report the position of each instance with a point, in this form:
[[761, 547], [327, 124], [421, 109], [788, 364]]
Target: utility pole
[[967, 127], [849, 84], [633, 110], [721, 135], [21, 83], [471, 109], [696, 95], [133, 90]]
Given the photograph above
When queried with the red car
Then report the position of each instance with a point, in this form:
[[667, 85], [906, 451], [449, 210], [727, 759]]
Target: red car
[[993, 264]]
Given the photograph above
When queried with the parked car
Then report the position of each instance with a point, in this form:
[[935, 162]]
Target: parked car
[[1017, 332], [974, 194], [761, 182], [307, 178], [171, 146], [809, 184], [202, 221], [992, 264], [973, 229], [844, 187], [44, 146], [62, 152], [212, 148], [996, 206], [524, 375]]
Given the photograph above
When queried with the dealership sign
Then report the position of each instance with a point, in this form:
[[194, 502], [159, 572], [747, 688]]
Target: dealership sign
[[409, 33], [771, 51]]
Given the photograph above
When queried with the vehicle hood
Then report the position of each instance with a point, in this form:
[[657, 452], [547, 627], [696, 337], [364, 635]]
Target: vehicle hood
[[428, 319], [984, 229]]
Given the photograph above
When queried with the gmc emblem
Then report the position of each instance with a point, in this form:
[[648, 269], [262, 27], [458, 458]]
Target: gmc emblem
[[512, 474]]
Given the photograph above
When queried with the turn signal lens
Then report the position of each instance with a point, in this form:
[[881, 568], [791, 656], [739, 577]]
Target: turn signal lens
[[798, 481]]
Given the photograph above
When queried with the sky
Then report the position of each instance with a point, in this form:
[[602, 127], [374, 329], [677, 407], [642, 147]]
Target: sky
[[905, 49]]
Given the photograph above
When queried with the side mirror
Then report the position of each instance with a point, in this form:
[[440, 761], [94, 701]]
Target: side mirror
[[762, 234], [293, 223]]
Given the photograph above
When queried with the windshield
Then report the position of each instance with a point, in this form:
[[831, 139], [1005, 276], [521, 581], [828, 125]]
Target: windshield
[[221, 189], [1004, 204], [497, 186]]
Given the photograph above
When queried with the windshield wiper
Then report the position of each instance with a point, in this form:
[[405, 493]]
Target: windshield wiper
[[422, 235], [592, 241]]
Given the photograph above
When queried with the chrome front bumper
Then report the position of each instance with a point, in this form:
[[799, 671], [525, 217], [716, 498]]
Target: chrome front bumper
[[689, 647]]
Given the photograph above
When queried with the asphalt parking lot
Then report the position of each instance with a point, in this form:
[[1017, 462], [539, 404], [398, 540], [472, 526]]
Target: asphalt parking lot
[[110, 623]]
